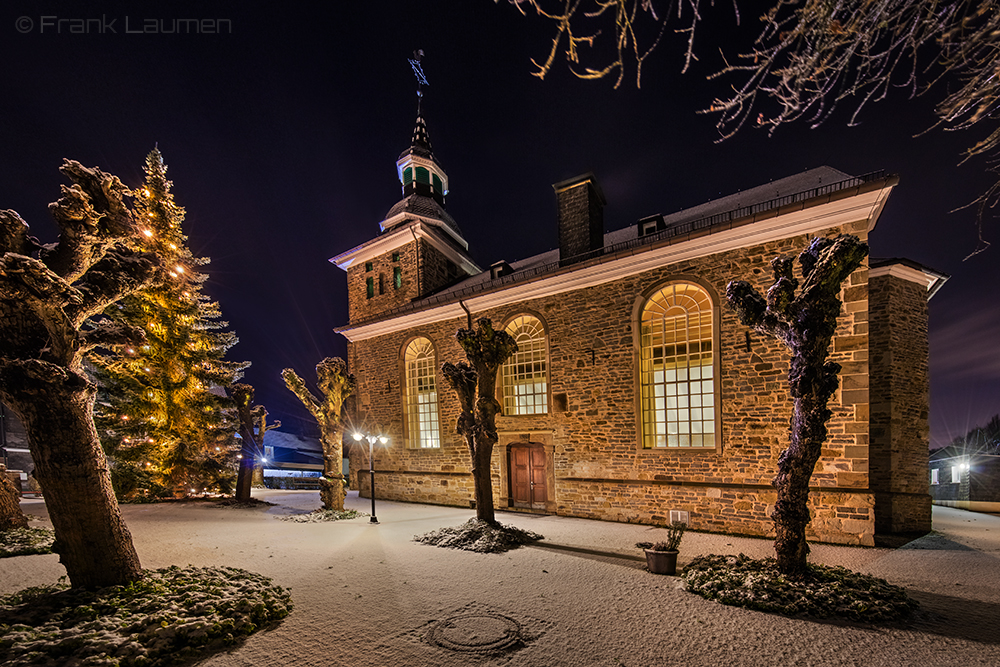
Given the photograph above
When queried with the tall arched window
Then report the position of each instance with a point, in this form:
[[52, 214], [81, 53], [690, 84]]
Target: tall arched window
[[421, 395], [525, 374], [677, 371]]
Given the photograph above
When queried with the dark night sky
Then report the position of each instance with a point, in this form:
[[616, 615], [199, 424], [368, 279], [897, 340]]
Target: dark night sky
[[281, 140]]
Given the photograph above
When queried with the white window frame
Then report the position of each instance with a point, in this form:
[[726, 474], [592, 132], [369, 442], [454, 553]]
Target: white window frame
[[524, 378], [420, 395], [678, 369]]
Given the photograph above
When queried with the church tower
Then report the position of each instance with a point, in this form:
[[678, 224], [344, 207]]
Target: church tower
[[419, 249]]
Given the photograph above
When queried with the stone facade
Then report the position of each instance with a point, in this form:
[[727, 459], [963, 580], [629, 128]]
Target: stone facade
[[589, 297], [598, 469], [899, 405]]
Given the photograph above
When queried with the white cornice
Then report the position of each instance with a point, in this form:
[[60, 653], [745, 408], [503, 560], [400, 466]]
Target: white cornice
[[908, 273], [401, 218], [863, 206], [400, 237]]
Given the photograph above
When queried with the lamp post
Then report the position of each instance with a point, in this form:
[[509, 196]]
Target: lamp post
[[371, 462]]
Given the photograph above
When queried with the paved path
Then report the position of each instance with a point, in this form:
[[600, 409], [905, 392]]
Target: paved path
[[367, 595]]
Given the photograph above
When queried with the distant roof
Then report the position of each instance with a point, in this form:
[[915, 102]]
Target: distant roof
[[276, 438]]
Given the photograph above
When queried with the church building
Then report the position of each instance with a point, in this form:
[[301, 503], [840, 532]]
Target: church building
[[635, 394]]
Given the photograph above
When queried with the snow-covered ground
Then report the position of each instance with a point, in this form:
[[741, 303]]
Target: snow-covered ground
[[365, 594]]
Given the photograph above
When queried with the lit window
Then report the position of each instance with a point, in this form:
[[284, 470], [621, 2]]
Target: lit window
[[525, 374], [677, 373], [397, 277], [956, 475], [421, 395], [934, 476]]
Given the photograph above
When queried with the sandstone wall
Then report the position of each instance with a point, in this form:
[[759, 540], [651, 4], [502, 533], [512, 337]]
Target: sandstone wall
[[599, 469], [899, 405]]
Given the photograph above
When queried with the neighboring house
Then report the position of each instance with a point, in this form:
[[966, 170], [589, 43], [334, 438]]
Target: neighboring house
[[966, 476], [14, 446], [636, 395], [290, 455]]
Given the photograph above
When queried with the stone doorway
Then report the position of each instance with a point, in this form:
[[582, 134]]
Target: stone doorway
[[528, 476]]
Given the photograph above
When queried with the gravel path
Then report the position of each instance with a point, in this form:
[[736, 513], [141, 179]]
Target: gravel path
[[366, 594]]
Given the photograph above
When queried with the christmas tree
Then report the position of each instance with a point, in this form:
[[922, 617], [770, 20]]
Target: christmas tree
[[163, 416]]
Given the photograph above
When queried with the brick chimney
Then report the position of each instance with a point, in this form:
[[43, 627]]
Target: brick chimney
[[581, 218]]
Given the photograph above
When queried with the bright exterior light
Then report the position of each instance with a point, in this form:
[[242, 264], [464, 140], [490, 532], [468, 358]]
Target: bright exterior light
[[173, 247], [147, 232], [358, 436], [263, 460], [383, 439], [180, 269], [239, 456]]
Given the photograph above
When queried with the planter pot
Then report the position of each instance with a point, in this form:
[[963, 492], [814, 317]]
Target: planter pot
[[661, 562]]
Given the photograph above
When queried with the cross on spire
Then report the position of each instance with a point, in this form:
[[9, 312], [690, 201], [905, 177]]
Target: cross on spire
[[420, 137]]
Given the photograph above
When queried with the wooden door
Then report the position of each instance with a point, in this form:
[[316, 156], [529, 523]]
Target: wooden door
[[528, 476]]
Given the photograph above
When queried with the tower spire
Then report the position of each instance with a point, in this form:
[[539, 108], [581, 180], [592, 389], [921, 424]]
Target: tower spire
[[420, 137]]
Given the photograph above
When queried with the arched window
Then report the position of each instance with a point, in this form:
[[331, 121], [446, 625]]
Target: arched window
[[525, 374], [421, 395], [677, 371]]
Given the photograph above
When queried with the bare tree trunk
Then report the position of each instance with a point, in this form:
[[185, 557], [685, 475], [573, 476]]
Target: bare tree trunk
[[92, 539], [244, 476], [484, 484], [331, 484], [805, 323], [11, 515], [335, 386], [486, 349]]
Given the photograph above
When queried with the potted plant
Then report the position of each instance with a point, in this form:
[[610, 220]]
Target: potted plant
[[661, 557]]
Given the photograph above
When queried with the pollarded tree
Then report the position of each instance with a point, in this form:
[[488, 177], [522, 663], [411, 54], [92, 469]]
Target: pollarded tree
[[475, 383], [805, 323], [48, 297], [253, 426], [161, 413], [335, 384]]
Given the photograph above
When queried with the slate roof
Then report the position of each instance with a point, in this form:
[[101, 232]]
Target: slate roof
[[425, 206], [293, 451], [799, 187]]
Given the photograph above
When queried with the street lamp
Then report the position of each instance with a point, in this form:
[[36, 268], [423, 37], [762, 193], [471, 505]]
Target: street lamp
[[371, 462]]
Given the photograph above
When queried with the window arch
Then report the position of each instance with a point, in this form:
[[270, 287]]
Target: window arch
[[421, 395], [525, 374], [677, 368]]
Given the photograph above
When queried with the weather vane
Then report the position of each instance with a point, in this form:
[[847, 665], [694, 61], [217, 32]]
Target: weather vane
[[418, 71]]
